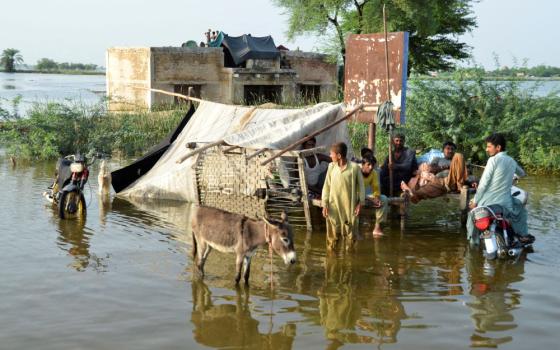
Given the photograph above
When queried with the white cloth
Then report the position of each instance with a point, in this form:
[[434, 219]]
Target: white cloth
[[267, 128], [312, 173]]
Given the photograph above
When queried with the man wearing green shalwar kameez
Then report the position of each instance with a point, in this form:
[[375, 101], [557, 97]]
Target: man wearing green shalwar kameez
[[342, 197]]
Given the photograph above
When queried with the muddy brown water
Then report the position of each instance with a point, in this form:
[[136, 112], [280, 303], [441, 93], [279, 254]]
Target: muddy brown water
[[123, 280]]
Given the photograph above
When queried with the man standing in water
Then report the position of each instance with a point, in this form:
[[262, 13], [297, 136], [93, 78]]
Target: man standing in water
[[495, 188], [342, 198]]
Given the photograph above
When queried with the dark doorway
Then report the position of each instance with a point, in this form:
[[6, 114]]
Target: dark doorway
[[259, 94], [310, 93], [183, 89]]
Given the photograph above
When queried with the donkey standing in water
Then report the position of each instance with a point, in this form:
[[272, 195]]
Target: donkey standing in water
[[234, 233]]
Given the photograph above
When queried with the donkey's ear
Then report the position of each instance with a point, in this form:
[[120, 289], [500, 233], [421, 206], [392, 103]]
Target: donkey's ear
[[284, 216]]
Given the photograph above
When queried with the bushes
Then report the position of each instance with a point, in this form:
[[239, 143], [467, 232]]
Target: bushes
[[53, 129], [464, 109], [469, 108]]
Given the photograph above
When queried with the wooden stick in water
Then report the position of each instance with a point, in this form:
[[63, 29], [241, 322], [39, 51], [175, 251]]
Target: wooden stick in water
[[388, 99]]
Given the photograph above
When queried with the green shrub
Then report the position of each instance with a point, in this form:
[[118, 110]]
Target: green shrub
[[52, 129], [466, 109]]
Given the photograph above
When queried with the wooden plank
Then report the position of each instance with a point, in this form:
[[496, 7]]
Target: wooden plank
[[305, 193]]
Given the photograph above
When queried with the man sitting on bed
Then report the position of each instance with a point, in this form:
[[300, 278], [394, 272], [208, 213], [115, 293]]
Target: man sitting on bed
[[440, 176]]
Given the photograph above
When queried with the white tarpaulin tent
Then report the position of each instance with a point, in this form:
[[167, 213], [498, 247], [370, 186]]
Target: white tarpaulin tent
[[247, 127]]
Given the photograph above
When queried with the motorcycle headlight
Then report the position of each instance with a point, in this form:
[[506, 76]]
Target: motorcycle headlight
[[77, 167]]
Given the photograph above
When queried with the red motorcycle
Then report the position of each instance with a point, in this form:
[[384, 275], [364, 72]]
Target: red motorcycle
[[498, 236], [67, 191]]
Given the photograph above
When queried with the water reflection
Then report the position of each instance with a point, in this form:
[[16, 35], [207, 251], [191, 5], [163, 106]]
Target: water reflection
[[356, 306], [225, 321], [493, 298], [74, 238], [151, 212], [105, 205]]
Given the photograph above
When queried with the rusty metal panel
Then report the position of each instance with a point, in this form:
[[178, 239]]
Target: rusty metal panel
[[365, 73]]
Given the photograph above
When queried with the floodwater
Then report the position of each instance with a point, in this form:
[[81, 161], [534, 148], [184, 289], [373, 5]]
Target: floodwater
[[90, 89], [123, 280], [36, 87]]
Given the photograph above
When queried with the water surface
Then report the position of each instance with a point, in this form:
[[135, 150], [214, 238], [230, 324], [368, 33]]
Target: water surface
[[36, 87], [123, 280]]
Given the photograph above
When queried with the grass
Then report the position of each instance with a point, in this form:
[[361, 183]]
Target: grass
[[52, 129]]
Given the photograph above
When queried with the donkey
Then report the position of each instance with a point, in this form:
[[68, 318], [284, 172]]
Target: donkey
[[234, 233]]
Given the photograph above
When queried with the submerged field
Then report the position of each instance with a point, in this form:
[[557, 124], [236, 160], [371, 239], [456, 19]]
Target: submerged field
[[123, 279]]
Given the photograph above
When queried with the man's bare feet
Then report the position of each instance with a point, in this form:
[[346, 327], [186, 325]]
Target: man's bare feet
[[377, 231], [405, 188]]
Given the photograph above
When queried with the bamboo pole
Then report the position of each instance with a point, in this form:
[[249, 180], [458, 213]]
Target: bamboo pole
[[305, 194], [200, 150], [389, 99], [309, 137], [185, 97], [254, 154], [371, 137], [230, 148]]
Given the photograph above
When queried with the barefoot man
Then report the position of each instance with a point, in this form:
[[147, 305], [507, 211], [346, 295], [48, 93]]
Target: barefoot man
[[342, 198]]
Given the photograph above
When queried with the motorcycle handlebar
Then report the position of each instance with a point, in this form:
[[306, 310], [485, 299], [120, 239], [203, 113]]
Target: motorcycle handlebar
[[94, 157]]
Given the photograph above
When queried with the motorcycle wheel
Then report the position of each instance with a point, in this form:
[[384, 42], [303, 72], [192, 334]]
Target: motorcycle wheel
[[502, 246], [71, 205]]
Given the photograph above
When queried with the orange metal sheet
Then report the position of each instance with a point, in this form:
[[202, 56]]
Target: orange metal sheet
[[365, 75]]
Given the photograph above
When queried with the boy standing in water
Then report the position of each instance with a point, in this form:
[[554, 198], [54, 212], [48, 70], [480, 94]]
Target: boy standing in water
[[343, 197]]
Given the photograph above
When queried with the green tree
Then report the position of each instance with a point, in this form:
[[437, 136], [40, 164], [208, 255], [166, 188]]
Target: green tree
[[469, 107], [434, 25], [46, 64], [9, 59]]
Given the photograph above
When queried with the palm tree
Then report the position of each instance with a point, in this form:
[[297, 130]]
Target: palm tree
[[9, 59]]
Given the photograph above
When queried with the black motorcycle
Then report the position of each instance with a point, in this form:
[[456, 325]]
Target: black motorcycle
[[67, 191]]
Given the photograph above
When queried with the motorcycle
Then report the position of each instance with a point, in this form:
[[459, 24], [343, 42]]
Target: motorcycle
[[67, 190], [500, 240]]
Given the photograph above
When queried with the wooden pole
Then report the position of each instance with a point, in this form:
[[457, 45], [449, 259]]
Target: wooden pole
[[254, 154], [305, 194], [188, 98], [230, 148], [371, 137], [200, 150], [309, 137], [388, 99]]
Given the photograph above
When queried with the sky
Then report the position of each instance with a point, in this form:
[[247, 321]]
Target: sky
[[81, 30]]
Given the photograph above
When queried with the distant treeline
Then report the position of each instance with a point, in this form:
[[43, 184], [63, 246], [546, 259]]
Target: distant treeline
[[540, 71], [46, 64]]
